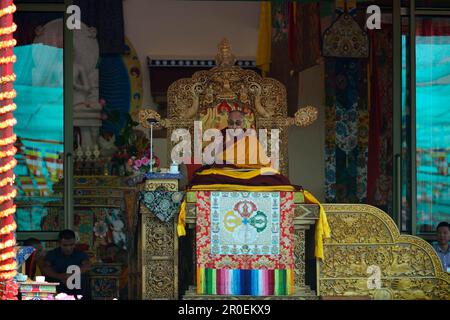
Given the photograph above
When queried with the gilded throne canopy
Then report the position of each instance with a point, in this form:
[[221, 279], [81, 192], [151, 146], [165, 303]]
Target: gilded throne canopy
[[209, 95]]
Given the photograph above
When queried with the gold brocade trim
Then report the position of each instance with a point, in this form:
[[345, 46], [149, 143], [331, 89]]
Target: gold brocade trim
[[233, 187], [323, 230], [245, 175]]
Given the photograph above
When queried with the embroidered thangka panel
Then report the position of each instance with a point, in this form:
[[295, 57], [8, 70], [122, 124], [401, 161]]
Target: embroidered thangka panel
[[347, 126], [245, 243], [347, 133]]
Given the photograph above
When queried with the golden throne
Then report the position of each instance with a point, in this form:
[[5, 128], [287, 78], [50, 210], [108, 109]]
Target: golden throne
[[208, 96], [363, 237]]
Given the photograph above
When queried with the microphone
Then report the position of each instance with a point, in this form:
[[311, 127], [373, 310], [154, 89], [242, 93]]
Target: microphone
[[152, 121]]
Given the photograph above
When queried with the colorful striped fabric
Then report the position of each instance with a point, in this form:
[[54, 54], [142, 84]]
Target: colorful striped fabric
[[54, 165], [26, 185], [42, 186], [245, 282], [33, 158]]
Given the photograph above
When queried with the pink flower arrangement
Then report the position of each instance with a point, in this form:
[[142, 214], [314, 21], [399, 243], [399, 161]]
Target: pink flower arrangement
[[138, 163], [143, 164]]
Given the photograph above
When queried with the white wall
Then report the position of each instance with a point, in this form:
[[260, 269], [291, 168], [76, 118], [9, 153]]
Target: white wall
[[192, 29], [306, 145]]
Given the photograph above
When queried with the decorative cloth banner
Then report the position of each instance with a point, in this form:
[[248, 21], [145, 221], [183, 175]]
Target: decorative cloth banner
[[347, 133], [245, 243], [345, 38], [54, 165], [33, 158], [42, 186], [245, 282], [163, 204], [26, 185], [22, 254]]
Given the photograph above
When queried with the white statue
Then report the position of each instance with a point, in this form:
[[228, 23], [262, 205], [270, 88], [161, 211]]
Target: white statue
[[86, 105], [117, 225], [107, 141]]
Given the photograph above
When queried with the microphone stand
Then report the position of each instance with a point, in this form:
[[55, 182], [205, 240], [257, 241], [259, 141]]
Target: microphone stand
[[152, 122]]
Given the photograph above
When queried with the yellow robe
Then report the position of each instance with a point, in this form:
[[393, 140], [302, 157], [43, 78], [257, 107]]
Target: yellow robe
[[246, 152]]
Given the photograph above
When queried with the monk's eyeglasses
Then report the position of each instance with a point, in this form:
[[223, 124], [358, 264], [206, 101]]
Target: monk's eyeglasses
[[236, 122]]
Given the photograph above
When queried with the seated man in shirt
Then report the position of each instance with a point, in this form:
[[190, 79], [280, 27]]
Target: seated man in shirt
[[57, 262], [442, 247]]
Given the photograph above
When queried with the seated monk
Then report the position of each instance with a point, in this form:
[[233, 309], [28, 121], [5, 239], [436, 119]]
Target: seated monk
[[245, 151], [237, 169], [243, 161]]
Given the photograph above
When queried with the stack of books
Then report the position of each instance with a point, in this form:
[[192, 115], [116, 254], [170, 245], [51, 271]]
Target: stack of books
[[32, 290]]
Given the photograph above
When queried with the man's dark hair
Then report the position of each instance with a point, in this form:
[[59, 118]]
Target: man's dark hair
[[30, 242], [66, 234], [443, 224]]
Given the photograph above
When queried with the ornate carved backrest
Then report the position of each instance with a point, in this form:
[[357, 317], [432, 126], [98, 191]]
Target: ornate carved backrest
[[209, 95]]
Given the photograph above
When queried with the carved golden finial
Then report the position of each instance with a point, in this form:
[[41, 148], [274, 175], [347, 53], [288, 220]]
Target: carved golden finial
[[305, 116], [224, 57], [145, 116]]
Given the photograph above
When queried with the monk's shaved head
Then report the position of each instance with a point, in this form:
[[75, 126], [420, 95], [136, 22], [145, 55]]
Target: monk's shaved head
[[236, 112]]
